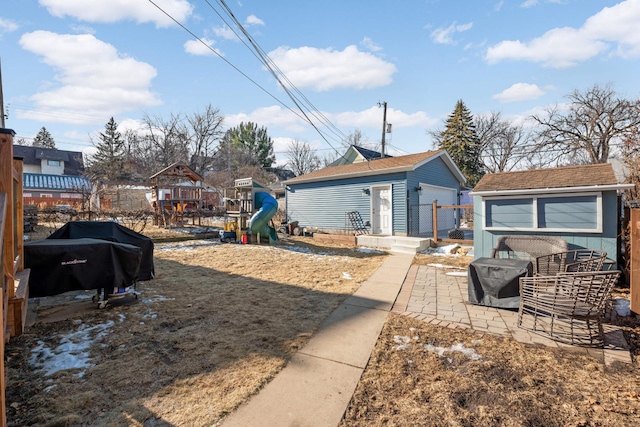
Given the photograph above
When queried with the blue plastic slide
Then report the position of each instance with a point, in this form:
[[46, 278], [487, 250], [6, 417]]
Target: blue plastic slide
[[259, 223]]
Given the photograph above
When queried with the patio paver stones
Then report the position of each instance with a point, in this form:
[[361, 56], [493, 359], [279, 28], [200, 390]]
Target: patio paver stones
[[432, 295]]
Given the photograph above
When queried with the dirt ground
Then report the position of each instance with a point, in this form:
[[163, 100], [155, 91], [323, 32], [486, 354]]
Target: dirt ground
[[220, 320]]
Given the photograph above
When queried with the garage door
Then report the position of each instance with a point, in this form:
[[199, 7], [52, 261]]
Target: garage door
[[446, 217]]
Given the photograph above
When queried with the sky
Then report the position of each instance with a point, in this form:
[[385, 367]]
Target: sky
[[71, 65]]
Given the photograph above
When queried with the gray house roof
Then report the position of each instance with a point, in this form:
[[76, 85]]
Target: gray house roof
[[73, 164], [378, 167], [34, 181]]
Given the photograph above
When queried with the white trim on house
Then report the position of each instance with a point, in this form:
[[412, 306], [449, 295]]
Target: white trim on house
[[552, 190], [534, 199]]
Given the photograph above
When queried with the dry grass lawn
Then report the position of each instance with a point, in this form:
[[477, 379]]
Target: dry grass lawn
[[216, 323], [424, 375], [220, 320]]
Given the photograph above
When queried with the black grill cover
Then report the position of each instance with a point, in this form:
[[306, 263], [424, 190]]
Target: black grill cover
[[495, 282], [114, 232], [64, 265]]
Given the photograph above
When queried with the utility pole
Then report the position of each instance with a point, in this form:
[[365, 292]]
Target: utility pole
[[384, 125]]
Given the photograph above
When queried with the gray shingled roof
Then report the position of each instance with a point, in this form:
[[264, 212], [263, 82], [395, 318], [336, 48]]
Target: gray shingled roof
[[73, 163], [35, 181]]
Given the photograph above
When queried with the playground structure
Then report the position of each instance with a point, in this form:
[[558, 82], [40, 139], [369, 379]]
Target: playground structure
[[248, 211], [178, 194]]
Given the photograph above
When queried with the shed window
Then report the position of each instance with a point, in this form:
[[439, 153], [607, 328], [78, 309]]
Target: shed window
[[510, 213], [581, 213]]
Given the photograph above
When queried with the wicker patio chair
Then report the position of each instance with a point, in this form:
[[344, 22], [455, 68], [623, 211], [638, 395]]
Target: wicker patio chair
[[527, 247], [575, 261], [567, 307]]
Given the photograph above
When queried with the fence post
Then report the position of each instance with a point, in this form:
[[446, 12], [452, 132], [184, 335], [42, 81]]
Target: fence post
[[434, 213]]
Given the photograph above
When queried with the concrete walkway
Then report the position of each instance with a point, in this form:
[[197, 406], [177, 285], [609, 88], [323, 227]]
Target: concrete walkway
[[316, 386]]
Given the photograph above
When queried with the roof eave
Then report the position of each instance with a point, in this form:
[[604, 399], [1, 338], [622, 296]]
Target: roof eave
[[579, 189], [350, 175]]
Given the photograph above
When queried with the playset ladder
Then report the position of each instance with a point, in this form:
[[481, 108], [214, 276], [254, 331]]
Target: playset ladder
[[356, 222]]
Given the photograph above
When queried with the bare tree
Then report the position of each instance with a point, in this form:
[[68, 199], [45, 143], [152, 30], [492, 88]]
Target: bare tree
[[355, 137], [169, 139], [140, 158], [593, 121], [631, 159], [205, 131], [302, 158], [329, 158], [503, 145]]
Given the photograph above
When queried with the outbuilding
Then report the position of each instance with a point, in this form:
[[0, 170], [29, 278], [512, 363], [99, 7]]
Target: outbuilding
[[390, 196], [579, 204]]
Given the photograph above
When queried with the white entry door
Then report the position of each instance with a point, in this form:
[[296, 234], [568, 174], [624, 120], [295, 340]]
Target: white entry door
[[381, 212]]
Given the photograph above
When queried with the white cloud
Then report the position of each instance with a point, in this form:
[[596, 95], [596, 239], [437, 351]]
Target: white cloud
[[202, 47], [280, 148], [529, 3], [372, 118], [269, 117], [519, 92], [566, 47], [92, 81], [82, 29], [225, 32], [326, 69], [444, 35], [7, 26], [253, 20], [370, 45], [618, 24], [119, 10]]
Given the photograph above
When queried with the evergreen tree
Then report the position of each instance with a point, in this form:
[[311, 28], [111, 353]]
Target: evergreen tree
[[247, 144], [109, 161], [460, 140], [44, 139]]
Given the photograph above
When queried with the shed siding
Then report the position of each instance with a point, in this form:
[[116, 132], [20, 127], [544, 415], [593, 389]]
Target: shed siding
[[324, 204], [485, 240]]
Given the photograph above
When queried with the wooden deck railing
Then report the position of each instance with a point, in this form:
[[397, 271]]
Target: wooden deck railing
[[15, 279]]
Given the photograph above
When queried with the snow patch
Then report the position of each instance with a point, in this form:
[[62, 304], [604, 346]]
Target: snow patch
[[72, 352], [369, 250], [622, 306], [457, 347]]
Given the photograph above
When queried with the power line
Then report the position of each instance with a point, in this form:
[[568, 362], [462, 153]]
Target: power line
[[304, 116], [277, 73]]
